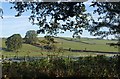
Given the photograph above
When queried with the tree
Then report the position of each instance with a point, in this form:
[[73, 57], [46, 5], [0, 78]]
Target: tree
[[1, 13], [72, 17], [31, 37], [49, 43], [49, 39], [14, 42], [55, 17], [109, 18], [78, 37]]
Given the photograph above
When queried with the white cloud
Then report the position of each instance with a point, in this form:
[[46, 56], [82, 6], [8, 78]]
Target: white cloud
[[11, 25]]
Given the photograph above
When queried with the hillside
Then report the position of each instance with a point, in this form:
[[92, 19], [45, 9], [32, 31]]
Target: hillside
[[86, 43], [66, 43]]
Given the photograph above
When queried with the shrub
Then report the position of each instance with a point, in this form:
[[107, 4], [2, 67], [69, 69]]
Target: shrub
[[14, 42], [95, 67]]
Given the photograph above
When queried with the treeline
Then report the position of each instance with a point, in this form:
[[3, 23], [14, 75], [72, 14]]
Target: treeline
[[51, 67], [14, 42]]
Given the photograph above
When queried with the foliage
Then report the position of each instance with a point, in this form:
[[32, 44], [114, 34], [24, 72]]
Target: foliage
[[14, 42], [31, 37], [70, 16], [96, 67], [78, 37], [109, 18], [1, 13], [49, 39], [48, 43], [50, 47], [61, 16]]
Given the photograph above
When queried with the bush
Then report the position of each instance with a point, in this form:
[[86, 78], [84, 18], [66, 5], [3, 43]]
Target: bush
[[50, 47], [14, 42], [95, 67]]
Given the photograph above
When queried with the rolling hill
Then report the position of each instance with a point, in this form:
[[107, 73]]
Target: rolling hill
[[90, 44]]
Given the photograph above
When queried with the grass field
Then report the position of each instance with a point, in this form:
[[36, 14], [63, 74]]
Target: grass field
[[66, 43], [93, 44]]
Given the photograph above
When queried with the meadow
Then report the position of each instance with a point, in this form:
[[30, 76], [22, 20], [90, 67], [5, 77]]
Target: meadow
[[35, 63], [90, 44]]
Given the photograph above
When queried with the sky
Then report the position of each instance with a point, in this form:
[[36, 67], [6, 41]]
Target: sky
[[12, 25]]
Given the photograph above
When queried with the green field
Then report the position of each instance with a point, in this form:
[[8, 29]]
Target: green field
[[93, 44], [66, 43]]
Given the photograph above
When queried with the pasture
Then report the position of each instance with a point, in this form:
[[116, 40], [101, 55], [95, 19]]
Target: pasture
[[90, 44]]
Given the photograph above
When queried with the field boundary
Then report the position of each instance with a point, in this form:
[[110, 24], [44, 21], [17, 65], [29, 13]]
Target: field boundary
[[72, 50]]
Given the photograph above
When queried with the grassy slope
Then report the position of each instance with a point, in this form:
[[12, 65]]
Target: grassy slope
[[35, 51], [97, 45]]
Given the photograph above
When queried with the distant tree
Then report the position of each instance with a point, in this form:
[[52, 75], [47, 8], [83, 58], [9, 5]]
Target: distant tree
[[14, 42], [31, 37], [78, 37], [49, 43], [49, 39]]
